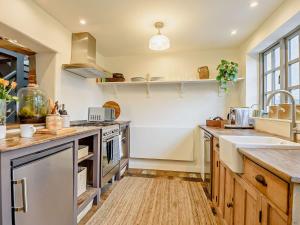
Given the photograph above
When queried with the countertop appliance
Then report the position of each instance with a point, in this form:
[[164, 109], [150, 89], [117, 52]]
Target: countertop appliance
[[239, 118], [42, 187], [101, 114], [207, 162]]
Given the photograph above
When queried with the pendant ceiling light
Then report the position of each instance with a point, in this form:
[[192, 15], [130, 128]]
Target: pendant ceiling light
[[159, 42]]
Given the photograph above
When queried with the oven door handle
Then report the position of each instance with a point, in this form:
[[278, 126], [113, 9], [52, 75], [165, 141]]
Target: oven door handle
[[108, 152]]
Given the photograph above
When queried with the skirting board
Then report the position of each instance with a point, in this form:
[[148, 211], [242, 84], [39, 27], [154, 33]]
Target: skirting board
[[192, 167]]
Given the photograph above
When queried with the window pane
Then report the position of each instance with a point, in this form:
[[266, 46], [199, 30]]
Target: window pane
[[268, 82], [294, 48], [277, 57], [269, 62], [294, 74], [277, 79], [296, 94], [277, 99]]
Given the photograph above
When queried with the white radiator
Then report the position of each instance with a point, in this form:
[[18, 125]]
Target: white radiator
[[167, 143]]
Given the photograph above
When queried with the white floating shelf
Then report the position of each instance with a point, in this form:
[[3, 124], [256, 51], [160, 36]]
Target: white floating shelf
[[147, 84], [161, 82]]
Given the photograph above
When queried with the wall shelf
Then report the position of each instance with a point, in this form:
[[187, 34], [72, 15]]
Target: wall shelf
[[147, 84]]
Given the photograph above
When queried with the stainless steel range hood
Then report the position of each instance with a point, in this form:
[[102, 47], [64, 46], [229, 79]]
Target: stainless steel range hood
[[83, 59]]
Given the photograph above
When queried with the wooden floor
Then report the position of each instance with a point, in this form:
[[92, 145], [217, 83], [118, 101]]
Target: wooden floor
[[155, 201]]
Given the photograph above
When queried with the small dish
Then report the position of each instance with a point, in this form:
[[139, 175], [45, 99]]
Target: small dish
[[137, 79]]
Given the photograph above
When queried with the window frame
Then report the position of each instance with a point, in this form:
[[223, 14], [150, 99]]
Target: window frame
[[284, 67]]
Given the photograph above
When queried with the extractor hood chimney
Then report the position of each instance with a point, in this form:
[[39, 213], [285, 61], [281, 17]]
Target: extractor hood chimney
[[83, 59]]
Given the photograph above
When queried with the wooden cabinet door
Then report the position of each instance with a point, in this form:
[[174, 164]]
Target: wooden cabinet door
[[271, 215], [246, 203], [222, 189], [228, 209], [216, 178]]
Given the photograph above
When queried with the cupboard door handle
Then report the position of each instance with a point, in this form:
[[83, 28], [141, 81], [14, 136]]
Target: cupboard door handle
[[218, 145], [229, 205], [24, 208], [260, 179]]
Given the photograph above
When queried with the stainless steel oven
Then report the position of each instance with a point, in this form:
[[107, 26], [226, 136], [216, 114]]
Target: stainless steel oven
[[110, 148]]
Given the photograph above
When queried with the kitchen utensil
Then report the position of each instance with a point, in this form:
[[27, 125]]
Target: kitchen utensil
[[203, 72], [115, 79], [273, 111], [27, 130], [65, 121], [156, 78], [53, 122], [56, 132], [115, 106], [118, 75], [216, 122], [137, 79], [285, 111], [238, 117]]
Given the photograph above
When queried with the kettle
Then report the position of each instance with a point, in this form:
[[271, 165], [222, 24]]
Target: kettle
[[239, 116]]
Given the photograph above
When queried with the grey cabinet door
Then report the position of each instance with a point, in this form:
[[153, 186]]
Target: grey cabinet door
[[47, 190]]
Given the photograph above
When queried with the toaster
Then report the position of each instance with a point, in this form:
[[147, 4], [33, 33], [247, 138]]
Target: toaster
[[101, 114]]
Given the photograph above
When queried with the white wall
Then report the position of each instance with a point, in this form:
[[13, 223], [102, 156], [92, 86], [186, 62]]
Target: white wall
[[174, 66], [52, 41], [164, 110], [282, 21]]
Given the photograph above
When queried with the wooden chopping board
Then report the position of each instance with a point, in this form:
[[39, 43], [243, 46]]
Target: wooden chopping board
[[56, 132], [115, 106]]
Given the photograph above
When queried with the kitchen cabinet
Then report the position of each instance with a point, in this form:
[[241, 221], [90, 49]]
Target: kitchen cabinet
[[271, 215], [246, 203], [257, 197], [216, 178], [38, 182]]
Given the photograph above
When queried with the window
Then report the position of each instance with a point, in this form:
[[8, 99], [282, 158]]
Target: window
[[281, 68], [294, 66], [272, 73]]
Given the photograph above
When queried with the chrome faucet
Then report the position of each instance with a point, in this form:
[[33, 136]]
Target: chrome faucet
[[294, 131]]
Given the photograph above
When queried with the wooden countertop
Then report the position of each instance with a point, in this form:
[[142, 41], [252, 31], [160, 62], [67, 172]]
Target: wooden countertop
[[282, 162], [14, 141], [215, 131]]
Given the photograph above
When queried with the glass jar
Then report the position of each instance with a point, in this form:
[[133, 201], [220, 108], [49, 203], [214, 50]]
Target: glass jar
[[33, 105]]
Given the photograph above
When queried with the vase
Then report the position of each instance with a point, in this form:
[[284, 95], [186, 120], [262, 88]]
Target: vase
[[2, 118]]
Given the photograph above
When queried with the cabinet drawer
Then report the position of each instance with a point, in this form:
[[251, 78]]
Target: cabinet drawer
[[273, 187]]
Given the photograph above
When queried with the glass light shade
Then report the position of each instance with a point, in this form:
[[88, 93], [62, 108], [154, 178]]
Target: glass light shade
[[159, 42]]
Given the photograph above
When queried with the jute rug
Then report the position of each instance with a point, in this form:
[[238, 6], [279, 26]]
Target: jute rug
[[155, 201]]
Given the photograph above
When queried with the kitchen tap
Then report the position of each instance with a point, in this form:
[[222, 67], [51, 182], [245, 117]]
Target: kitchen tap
[[293, 130]]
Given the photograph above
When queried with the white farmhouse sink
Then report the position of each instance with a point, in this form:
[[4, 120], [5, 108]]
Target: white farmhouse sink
[[229, 146]]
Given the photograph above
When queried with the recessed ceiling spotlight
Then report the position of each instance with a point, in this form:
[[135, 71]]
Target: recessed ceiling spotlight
[[253, 4], [233, 32], [82, 22]]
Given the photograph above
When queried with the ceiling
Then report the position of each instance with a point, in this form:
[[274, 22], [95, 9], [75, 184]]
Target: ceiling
[[123, 27]]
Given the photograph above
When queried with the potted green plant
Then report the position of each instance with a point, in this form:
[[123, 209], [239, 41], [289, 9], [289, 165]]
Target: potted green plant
[[5, 97], [227, 72]]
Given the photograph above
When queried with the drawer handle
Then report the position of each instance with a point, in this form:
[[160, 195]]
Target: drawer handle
[[217, 145], [260, 179], [229, 205]]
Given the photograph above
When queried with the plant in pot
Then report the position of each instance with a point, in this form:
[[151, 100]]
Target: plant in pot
[[227, 73], [5, 97]]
